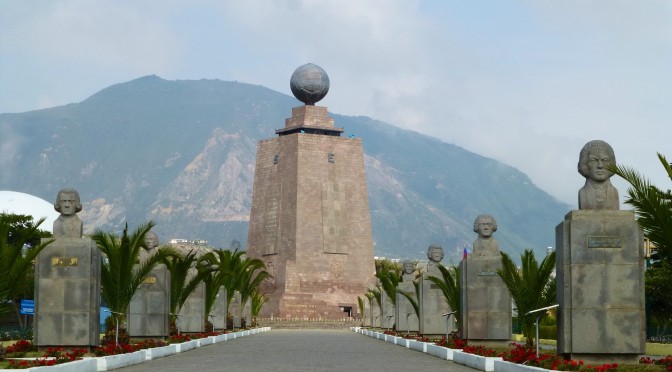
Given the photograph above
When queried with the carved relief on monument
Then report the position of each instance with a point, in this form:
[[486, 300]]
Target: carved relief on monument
[[336, 270], [334, 217], [272, 270]]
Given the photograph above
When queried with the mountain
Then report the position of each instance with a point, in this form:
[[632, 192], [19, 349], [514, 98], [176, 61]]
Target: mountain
[[182, 154]]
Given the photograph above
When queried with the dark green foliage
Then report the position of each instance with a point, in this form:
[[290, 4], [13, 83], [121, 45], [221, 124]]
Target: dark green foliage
[[120, 273], [653, 207], [20, 243], [182, 283], [531, 287], [449, 283]]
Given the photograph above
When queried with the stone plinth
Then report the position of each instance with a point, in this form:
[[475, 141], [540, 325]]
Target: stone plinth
[[191, 317], [600, 281], [67, 294], [219, 311], [404, 307], [234, 310], [310, 220], [432, 307], [387, 313], [486, 302], [375, 314], [149, 310]]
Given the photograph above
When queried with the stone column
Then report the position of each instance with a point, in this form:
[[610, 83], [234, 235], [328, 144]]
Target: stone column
[[486, 302], [404, 307], [67, 294], [192, 315], [600, 286], [432, 307], [149, 311]]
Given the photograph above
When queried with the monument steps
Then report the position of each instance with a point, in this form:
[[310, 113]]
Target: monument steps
[[308, 323]]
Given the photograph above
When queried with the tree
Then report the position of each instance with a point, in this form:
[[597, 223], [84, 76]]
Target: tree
[[121, 273], [214, 280], [252, 274], [20, 244], [258, 300], [449, 283], [184, 279], [531, 287], [653, 208]]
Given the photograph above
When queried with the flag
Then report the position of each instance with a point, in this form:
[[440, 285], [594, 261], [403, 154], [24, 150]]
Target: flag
[[464, 254]]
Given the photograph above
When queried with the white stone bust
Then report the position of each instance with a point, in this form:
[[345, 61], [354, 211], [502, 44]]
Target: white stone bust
[[435, 255]]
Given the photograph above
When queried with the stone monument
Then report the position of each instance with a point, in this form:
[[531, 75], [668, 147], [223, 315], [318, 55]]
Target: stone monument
[[67, 282], [600, 270], [149, 310], [486, 302], [219, 311], [433, 303], [191, 317], [310, 219], [407, 319]]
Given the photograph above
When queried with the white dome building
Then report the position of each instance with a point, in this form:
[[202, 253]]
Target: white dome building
[[21, 203]]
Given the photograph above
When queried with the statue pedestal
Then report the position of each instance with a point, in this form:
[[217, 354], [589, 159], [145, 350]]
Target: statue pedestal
[[406, 322], [67, 294], [219, 311], [600, 284], [148, 313], [191, 317], [387, 312], [486, 302], [432, 307]]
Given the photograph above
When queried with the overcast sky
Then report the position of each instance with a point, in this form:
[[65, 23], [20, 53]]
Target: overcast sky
[[525, 82]]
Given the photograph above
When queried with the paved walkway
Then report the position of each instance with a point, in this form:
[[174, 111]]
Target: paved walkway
[[300, 350]]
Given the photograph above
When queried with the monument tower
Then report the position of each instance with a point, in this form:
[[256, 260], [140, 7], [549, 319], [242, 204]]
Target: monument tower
[[310, 220]]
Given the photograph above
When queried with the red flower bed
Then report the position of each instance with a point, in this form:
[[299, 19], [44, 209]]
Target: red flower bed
[[479, 350], [526, 355], [54, 355], [452, 342], [665, 362]]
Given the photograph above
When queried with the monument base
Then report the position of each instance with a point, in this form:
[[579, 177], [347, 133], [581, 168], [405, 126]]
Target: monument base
[[600, 283], [67, 294], [599, 359], [486, 302], [432, 307]]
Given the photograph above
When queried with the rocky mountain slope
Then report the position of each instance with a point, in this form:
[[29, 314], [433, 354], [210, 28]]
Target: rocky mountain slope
[[181, 153]]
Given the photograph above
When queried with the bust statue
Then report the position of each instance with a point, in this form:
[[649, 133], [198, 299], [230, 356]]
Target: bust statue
[[149, 246], [68, 225], [485, 245], [598, 192], [435, 255], [408, 271]]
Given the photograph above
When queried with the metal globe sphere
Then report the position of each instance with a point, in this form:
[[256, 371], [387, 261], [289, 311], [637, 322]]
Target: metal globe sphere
[[309, 83]]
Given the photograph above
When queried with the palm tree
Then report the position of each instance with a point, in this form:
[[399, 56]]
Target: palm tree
[[16, 263], [258, 300], [182, 284], [389, 281], [252, 274], [120, 273], [653, 208], [531, 287], [652, 205], [216, 277], [376, 294], [449, 283]]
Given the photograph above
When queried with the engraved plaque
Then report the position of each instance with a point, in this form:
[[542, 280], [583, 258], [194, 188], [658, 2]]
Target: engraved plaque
[[604, 242], [149, 280], [64, 261]]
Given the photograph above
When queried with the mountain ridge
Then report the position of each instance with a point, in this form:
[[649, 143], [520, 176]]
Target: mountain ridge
[[182, 154]]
